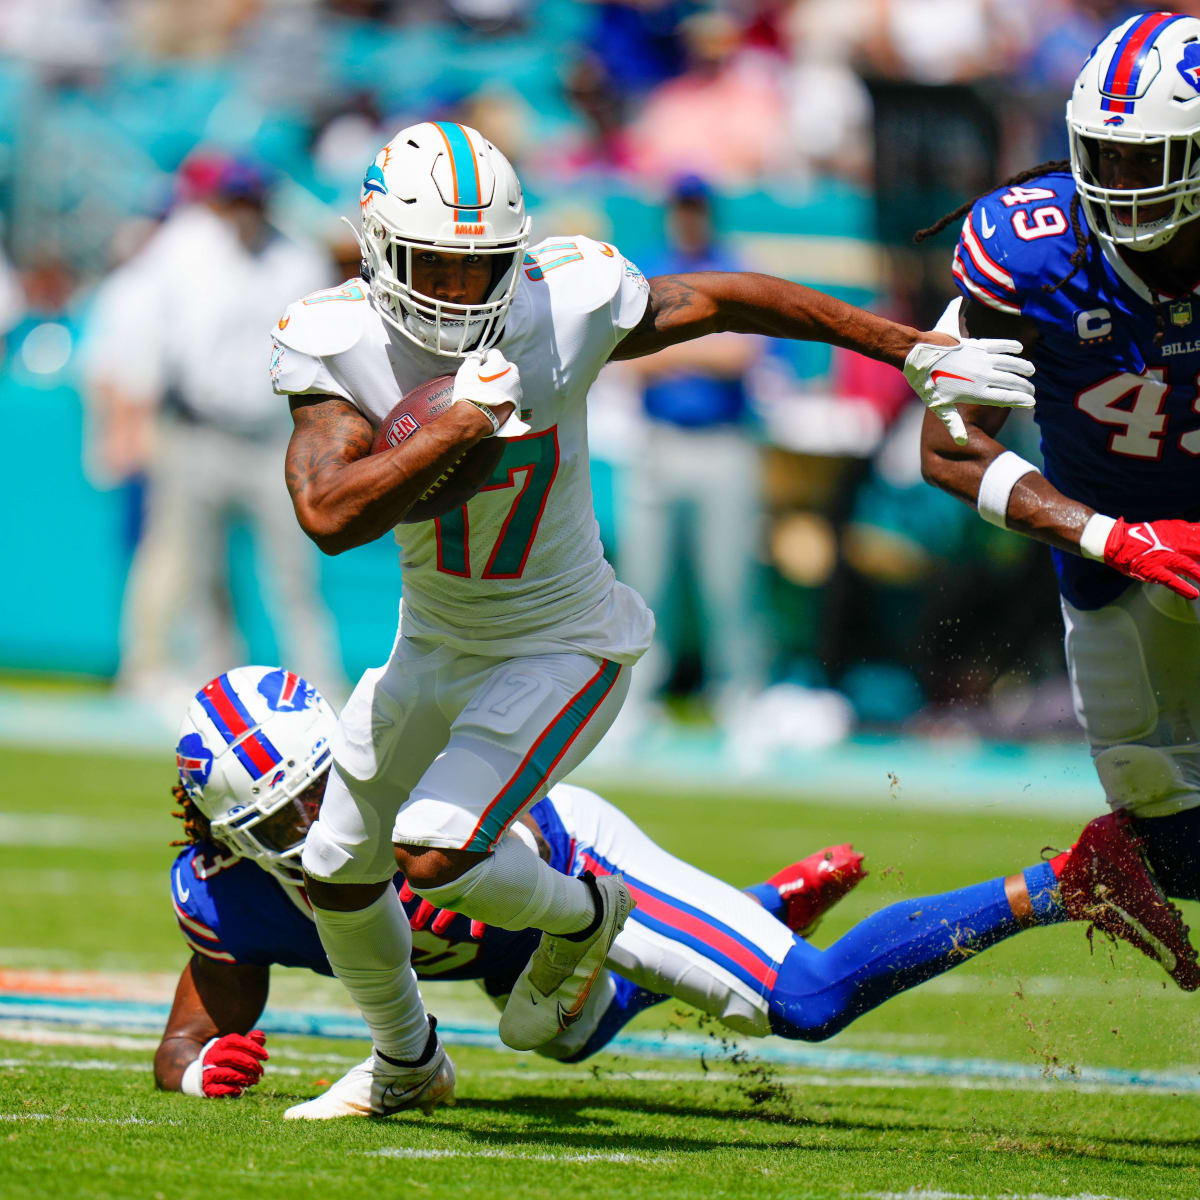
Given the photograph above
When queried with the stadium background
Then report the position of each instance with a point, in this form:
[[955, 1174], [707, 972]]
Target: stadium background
[[879, 115]]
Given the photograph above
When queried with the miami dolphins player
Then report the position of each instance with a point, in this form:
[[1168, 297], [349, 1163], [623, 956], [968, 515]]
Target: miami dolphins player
[[238, 896], [1092, 265], [515, 641]]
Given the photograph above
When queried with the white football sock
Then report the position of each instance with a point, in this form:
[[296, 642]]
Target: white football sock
[[369, 951], [514, 889]]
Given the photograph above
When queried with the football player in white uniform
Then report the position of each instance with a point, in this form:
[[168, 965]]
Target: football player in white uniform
[[515, 641]]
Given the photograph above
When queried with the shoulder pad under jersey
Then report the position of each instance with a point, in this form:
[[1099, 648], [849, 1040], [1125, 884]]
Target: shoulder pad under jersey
[[582, 274], [1014, 240], [326, 322]]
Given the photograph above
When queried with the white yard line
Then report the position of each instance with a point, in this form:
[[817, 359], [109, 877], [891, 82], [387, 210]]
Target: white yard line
[[483, 1152], [31, 1116], [917, 1194], [798, 1079]]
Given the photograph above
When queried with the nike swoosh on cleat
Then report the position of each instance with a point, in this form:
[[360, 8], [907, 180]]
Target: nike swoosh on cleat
[[1165, 956], [948, 375], [568, 1018], [490, 378]]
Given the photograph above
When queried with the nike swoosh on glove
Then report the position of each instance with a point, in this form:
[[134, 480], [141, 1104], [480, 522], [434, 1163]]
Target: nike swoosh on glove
[[233, 1063], [487, 381], [976, 371], [1157, 552]]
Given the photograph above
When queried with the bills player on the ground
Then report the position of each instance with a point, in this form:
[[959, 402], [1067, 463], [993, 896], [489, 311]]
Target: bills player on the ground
[[248, 796], [1094, 270], [515, 640], [249, 793]]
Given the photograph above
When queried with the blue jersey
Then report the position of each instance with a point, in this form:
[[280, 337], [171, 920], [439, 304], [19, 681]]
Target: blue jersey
[[232, 911], [1118, 413]]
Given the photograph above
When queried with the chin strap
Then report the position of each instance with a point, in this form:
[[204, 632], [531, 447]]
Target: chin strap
[[364, 268]]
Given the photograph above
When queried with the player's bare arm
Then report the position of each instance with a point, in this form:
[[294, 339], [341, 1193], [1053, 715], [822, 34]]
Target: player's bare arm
[[211, 999], [1036, 507], [942, 369], [344, 495], [682, 307]]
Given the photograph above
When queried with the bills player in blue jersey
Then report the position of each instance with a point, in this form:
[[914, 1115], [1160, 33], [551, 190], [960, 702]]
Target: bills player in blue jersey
[[249, 794], [1092, 265]]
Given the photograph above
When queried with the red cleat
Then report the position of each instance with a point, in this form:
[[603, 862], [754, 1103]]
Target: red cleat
[[1107, 882], [811, 887]]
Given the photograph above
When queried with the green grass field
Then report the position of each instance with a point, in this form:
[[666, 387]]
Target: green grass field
[[1020, 1074]]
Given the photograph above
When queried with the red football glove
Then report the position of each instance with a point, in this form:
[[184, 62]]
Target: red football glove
[[442, 917], [231, 1064], [1157, 552]]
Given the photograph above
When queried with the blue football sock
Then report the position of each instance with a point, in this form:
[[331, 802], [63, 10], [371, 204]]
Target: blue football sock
[[1048, 908], [818, 992]]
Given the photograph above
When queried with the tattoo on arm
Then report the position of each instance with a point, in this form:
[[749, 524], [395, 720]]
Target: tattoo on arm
[[676, 311], [328, 431]]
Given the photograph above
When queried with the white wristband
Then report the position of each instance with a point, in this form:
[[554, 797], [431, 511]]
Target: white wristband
[[1094, 537], [997, 484], [192, 1083]]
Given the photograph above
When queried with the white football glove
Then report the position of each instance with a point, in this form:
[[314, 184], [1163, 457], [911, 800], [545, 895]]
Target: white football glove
[[976, 371], [487, 381]]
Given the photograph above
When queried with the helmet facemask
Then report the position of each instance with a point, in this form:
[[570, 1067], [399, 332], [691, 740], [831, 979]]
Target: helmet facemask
[[270, 831], [1127, 216], [445, 328]]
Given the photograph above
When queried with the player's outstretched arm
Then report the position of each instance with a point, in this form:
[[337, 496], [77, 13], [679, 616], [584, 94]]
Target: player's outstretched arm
[[1013, 494], [942, 369], [344, 495], [210, 1046]]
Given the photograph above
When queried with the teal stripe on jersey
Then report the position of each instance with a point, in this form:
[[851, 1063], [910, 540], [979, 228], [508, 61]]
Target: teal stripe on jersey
[[466, 172], [554, 742]]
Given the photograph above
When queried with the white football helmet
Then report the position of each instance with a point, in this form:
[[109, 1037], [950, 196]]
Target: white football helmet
[[1141, 86], [441, 186], [252, 742]]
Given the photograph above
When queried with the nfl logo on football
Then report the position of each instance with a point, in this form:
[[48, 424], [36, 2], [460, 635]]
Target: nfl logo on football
[[403, 428]]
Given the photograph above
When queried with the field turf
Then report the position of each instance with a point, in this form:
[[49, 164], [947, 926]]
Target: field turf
[[1043, 1068]]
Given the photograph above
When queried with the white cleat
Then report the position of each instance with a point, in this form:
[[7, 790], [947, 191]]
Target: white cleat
[[378, 1088], [550, 994]]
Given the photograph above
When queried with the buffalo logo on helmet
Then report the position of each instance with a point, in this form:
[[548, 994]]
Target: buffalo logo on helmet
[[1189, 65], [194, 761], [285, 692], [1114, 120]]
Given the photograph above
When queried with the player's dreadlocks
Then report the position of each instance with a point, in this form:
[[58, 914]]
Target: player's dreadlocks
[[196, 828], [1082, 236]]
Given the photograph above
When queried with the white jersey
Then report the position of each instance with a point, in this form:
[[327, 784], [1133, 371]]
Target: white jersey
[[519, 569]]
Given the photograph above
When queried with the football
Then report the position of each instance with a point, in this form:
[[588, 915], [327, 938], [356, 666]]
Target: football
[[461, 480]]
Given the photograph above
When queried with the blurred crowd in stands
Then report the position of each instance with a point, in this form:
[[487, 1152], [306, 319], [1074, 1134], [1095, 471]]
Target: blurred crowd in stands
[[767, 498]]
